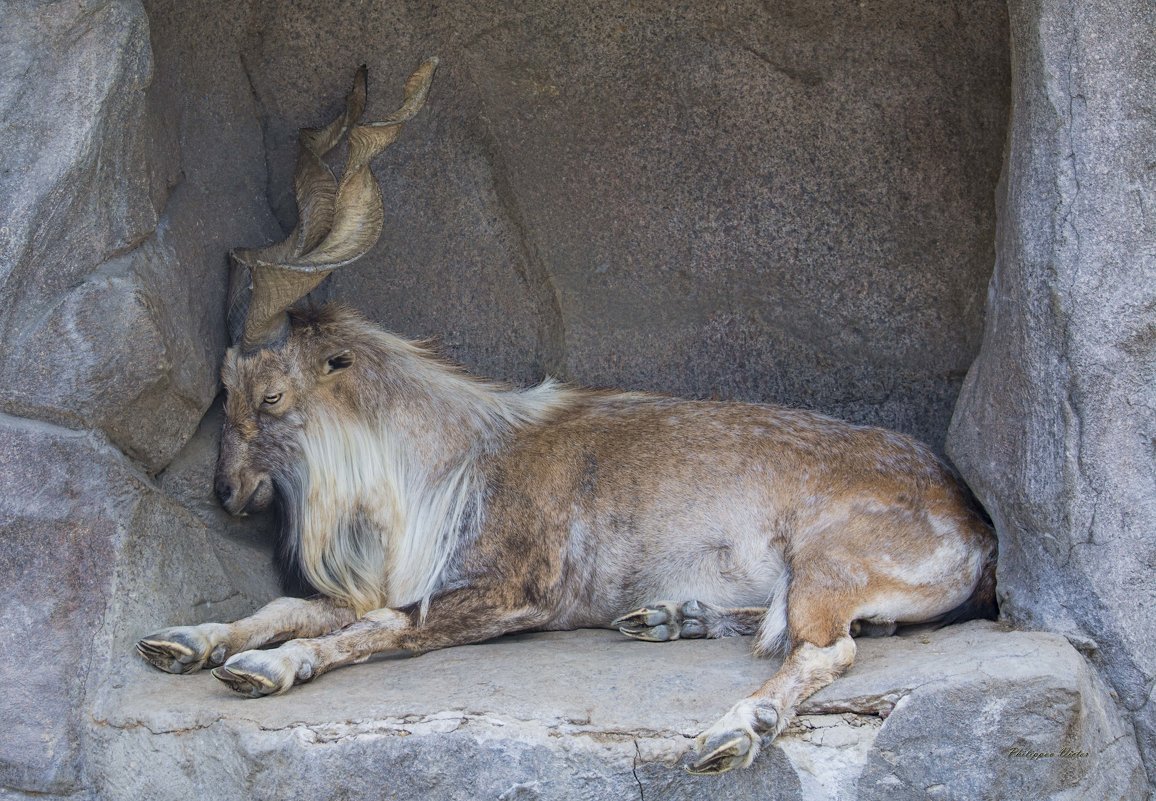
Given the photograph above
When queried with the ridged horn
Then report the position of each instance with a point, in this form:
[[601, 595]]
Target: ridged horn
[[338, 223]]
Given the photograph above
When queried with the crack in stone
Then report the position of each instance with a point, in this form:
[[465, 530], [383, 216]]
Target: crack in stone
[[880, 705], [532, 269], [407, 725], [207, 603], [130, 725], [634, 771], [263, 121], [808, 78]]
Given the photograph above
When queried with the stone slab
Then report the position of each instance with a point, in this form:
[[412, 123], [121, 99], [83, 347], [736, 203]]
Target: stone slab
[[590, 714]]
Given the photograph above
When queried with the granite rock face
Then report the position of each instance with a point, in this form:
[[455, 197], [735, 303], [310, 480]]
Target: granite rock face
[[123, 190], [1056, 425], [786, 201], [588, 714]]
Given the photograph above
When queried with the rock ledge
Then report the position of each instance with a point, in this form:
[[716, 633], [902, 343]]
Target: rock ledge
[[589, 714]]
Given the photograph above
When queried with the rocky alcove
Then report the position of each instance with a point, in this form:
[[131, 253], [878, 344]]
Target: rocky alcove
[[936, 217]]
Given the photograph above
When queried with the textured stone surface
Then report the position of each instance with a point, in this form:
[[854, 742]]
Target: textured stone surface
[[593, 715], [1056, 425], [75, 170], [778, 201], [92, 555], [126, 177]]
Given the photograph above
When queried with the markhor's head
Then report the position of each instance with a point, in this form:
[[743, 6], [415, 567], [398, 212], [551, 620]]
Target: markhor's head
[[279, 365], [269, 393]]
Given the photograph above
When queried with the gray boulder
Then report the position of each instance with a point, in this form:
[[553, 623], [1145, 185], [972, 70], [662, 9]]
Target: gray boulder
[[122, 194], [92, 555], [1055, 425]]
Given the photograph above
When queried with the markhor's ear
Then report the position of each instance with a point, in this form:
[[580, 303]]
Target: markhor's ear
[[337, 362]]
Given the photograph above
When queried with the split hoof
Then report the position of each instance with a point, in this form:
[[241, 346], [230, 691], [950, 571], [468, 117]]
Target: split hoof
[[259, 673], [183, 649], [725, 751], [664, 621], [735, 740]]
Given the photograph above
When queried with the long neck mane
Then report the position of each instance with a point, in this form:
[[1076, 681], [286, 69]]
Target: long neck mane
[[381, 497]]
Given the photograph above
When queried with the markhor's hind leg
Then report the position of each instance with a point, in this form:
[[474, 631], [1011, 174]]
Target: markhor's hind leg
[[667, 620], [868, 628], [822, 648]]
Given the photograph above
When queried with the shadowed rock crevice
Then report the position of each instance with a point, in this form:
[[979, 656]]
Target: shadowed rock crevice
[[659, 175], [534, 273], [608, 197]]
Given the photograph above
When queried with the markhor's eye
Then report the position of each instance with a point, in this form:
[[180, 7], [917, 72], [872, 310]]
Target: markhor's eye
[[272, 398]]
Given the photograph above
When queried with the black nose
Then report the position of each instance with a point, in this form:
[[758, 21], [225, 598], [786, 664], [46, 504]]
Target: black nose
[[225, 490]]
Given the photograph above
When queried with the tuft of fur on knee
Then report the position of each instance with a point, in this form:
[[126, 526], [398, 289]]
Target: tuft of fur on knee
[[772, 638]]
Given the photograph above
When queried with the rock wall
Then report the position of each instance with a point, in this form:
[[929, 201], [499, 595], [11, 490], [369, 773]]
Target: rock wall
[[785, 201], [92, 553], [1056, 424], [132, 165]]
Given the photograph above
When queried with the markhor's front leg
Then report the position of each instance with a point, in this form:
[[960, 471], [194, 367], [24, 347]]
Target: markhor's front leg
[[458, 618], [184, 649]]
